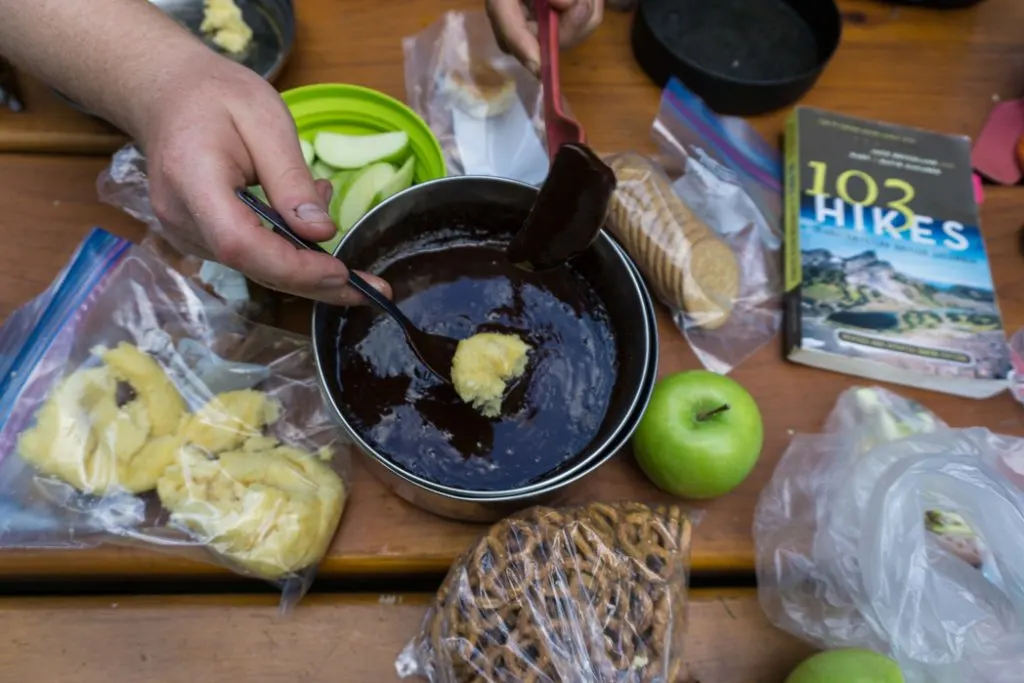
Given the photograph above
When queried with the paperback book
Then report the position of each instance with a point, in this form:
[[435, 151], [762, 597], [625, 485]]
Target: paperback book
[[887, 276]]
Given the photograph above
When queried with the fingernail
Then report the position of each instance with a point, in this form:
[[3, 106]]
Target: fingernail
[[311, 213], [375, 282], [333, 282], [534, 67]]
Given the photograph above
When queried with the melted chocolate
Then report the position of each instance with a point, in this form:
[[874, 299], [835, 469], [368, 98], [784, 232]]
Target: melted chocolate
[[548, 416]]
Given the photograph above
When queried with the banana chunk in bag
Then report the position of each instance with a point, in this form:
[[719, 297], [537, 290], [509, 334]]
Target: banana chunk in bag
[[108, 427], [272, 511]]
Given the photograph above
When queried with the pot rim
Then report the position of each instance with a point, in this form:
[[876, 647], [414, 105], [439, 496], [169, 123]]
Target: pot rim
[[599, 454]]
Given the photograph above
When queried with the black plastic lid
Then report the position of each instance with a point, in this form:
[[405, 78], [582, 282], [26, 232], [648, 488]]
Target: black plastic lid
[[742, 57]]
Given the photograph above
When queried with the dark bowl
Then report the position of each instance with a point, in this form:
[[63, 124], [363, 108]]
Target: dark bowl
[[742, 57], [488, 209]]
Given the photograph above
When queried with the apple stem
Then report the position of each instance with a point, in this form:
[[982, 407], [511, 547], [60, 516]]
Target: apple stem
[[711, 413]]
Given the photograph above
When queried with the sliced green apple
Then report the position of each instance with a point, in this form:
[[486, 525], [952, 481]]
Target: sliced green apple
[[359, 192], [321, 171], [355, 193], [400, 181], [331, 244], [339, 178], [308, 153], [339, 185], [356, 151]]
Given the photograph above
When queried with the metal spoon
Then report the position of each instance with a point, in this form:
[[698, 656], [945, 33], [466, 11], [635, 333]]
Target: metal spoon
[[434, 350]]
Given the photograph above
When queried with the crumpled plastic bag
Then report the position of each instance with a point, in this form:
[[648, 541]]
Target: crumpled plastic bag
[[894, 532], [125, 184], [1016, 376]]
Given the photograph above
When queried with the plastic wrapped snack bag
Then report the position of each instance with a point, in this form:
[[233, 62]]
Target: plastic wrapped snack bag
[[709, 242], [137, 408], [892, 531], [595, 593], [1016, 376], [483, 106], [125, 185]]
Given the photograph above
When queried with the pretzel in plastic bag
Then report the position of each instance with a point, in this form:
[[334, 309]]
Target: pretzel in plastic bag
[[595, 593]]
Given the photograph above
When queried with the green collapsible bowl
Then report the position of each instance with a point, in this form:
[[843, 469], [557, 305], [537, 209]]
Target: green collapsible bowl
[[355, 110]]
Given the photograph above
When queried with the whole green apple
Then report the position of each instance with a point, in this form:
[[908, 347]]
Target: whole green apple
[[850, 665], [700, 436]]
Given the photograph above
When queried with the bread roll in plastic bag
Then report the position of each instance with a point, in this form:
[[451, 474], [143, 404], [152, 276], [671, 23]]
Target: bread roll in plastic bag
[[595, 593], [708, 243], [136, 408], [484, 107], [892, 531]]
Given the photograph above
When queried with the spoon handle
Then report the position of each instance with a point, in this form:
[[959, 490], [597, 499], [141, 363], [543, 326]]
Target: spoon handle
[[281, 228]]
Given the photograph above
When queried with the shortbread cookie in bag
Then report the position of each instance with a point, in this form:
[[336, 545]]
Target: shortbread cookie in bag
[[689, 267]]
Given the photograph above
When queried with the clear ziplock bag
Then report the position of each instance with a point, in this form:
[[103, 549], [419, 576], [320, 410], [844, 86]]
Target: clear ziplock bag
[[136, 408], [894, 532], [124, 184], [708, 242], [484, 107]]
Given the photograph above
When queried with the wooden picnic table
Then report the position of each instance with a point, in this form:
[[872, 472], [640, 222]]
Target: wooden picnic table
[[53, 205], [937, 70], [330, 639], [940, 70]]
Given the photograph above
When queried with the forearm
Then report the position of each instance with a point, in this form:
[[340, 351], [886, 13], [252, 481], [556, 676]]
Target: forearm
[[117, 57]]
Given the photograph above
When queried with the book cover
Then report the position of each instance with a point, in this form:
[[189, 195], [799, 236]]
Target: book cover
[[886, 271]]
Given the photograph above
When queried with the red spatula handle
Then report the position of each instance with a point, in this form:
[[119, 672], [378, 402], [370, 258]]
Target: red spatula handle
[[560, 127]]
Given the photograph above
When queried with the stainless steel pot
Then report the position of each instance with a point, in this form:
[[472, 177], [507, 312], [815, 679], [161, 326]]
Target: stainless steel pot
[[475, 203]]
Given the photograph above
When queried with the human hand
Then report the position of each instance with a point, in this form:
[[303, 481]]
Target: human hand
[[214, 126], [517, 33]]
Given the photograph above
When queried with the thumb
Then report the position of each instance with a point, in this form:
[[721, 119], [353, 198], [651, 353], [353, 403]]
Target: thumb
[[508, 19], [578, 19], [287, 180]]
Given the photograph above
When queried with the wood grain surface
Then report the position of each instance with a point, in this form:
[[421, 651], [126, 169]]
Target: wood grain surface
[[49, 125], [933, 69], [328, 639], [51, 205]]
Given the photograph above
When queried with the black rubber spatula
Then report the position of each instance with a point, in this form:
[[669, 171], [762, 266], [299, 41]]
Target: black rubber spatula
[[573, 202]]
